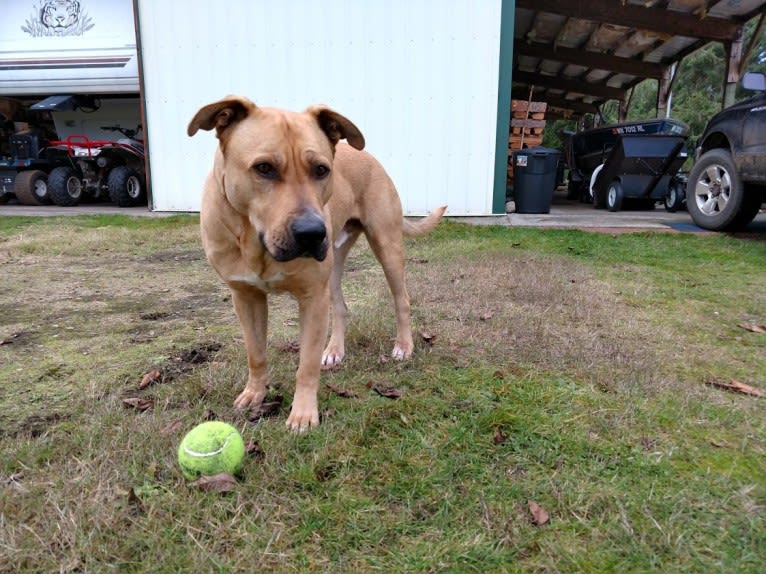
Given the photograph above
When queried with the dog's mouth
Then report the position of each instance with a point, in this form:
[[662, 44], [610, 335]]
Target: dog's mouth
[[306, 237], [284, 254]]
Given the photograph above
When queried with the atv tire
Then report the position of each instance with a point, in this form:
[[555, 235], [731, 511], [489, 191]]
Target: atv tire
[[126, 186], [65, 187]]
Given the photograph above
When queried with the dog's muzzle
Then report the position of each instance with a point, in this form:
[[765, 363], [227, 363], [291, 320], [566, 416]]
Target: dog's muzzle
[[308, 238]]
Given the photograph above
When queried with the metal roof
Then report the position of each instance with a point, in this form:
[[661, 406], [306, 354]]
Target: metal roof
[[577, 54]]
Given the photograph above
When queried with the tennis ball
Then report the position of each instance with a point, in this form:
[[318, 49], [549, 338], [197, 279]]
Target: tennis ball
[[211, 448]]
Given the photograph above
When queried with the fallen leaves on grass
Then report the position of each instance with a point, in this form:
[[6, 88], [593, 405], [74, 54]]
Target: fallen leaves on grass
[[135, 504], [428, 338], [254, 450], [500, 437], [735, 386], [540, 516], [290, 347], [172, 427], [222, 482], [149, 378], [268, 408], [753, 328], [9, 340], [138, 404], [341, 392], [386, 392]]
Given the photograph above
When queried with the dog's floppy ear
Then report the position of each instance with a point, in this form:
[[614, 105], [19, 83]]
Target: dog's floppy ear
[[220, 115], [337, 127]]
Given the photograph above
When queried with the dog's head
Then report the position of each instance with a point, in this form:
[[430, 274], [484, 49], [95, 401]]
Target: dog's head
[[276, 168]]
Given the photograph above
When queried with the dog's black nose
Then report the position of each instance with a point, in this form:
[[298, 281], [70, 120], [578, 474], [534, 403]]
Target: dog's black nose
[[309, 231]]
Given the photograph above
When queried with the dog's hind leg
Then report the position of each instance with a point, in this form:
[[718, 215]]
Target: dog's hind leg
[[336, 347], [252, 311], [388, 248]]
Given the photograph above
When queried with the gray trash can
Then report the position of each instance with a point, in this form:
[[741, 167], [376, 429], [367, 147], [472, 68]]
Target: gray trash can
[[534, 179]]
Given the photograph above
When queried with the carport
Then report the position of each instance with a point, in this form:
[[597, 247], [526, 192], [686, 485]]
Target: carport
[[578, 55]]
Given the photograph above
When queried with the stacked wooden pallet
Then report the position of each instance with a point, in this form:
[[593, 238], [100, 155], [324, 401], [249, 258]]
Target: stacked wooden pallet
[[527, 124]]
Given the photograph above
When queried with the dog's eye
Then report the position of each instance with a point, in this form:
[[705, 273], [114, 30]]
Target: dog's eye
[[321, 171], [266, 170]]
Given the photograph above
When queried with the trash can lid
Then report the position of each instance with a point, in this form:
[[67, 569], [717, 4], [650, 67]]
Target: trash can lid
[[537, 150]]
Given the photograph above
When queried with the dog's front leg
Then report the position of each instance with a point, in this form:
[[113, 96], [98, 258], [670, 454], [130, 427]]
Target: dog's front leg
[[252, 311], [314, 319]]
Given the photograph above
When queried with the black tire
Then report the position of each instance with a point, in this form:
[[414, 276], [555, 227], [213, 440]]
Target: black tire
[[614, 196], [126, 186], [31, 187], [675, 197], [715, 196], [65, 186]]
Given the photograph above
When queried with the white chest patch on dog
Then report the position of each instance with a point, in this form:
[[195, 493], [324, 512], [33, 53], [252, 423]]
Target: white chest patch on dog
[[266, 285]]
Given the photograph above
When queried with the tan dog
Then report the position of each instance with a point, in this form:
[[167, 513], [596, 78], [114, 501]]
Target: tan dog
[[281, 209]]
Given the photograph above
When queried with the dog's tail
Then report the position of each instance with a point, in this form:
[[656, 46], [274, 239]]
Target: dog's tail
[[421, 226]]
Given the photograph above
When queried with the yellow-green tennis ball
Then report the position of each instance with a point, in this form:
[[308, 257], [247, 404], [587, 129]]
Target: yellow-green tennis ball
[[211, 448]]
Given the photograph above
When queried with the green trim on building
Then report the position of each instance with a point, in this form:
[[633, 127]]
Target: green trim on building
[[508, 11]]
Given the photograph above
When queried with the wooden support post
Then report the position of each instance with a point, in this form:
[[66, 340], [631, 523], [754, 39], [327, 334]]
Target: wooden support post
[[733, 67]]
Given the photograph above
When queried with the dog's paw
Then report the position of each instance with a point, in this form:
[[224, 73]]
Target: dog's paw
[[250, 398], [300, 422], [331, 360], [332, 357], [303, 415], [401, 352]]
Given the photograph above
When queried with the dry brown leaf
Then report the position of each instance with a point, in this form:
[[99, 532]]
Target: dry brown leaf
[[735, 386], [268, 408], [341, 392], [139, 404], [222, 482], [254, 450], [387, 392], [753, 328], [149, 378], [540, 516], [172, 428], [427, 337], [209, 415], [290, 347]]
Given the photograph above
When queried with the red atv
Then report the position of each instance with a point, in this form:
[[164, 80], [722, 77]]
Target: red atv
[[99, 169]]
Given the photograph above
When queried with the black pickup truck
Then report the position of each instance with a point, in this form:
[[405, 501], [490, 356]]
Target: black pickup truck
[[727, 184]]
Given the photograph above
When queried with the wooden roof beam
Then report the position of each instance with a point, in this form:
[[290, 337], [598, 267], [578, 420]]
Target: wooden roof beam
[[589, 59], [657, 20], [568, 85], [575, 105]]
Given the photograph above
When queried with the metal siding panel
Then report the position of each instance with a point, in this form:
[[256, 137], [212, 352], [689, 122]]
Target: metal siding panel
[[419, 78]]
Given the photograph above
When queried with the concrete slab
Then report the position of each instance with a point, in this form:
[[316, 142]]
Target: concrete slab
[[563, 214]]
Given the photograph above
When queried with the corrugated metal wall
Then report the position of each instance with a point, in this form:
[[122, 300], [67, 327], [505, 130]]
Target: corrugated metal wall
[[419, 77]]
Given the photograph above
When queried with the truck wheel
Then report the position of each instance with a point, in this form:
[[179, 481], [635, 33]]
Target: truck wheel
[[65, 186], [31, 187], [715, 196], [126, 186], [614, 196]]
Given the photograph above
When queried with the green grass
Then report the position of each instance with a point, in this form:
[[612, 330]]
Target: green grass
[[568, 368]]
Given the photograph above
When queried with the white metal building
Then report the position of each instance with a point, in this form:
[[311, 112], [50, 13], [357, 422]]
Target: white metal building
[[421, 78]]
